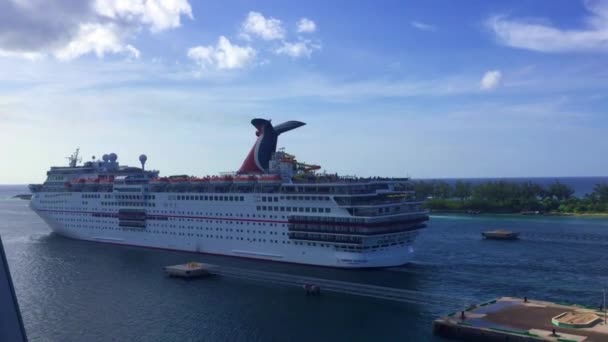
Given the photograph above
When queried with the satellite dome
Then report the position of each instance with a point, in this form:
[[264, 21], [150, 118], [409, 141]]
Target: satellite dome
[[105, 157], [113, 157], [142, 160]]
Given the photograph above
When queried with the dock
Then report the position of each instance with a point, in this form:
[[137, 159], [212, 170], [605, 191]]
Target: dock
[[516, 319]]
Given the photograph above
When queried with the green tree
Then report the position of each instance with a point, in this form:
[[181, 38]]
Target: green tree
[[560, 191], [462, 190], [441, 189], [423, 189], [600, 193]]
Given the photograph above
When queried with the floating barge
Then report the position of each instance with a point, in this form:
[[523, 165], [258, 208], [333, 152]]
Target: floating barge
[[190, 270], [500, 235], [514, 319]]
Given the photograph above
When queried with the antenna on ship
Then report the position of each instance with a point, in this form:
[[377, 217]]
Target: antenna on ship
[[74, 159]]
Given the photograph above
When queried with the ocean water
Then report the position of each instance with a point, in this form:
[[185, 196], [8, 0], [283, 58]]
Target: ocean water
[[71, 290]]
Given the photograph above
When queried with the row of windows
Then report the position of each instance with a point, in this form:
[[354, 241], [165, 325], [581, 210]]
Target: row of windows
[[294, 209], [127, 189], [52, 201], [62, 194], [91, 196], [136, 197], [210, 198], [298, 198], [111, 211], [356, 249], [129, 204]]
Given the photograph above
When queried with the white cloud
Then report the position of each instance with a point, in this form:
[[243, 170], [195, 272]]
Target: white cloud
[[306, 25], [490, 80], [223, 55], [97, 38], [31, 56], [525, 34], [132, 50], [159, 14], [268, 29], [303, 48], [71, 29], [422, 26]]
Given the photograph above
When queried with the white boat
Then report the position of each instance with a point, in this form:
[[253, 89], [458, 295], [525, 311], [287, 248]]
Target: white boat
[[267, 210]]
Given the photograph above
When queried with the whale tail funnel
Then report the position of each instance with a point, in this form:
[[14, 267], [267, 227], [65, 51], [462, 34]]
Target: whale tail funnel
[[259, 157]]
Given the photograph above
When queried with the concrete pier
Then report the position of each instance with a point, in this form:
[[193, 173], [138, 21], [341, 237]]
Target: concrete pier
[[516, 319]]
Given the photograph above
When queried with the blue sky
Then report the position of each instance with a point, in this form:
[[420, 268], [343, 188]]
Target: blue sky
[[426, 89]]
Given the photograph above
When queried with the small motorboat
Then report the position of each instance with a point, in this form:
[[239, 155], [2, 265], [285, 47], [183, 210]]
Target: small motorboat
[[500, 235]]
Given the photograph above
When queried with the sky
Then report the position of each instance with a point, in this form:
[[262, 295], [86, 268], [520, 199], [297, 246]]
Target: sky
[[426, 89]]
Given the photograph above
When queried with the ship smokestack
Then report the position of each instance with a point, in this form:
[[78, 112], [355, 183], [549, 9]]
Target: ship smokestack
[[259, 156]]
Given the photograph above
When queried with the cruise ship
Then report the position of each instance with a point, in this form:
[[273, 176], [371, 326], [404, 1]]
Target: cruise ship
[[273, 208]]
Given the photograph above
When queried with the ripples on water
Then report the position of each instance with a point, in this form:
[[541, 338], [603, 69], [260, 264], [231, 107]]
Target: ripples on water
[[78, 291]]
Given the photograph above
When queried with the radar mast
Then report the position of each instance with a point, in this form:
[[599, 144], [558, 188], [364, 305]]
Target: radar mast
[[74, 159]]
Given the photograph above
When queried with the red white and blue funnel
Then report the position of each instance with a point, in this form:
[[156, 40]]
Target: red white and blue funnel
[[259, 157]]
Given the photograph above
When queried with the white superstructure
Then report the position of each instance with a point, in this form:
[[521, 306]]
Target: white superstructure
[[282, 211]]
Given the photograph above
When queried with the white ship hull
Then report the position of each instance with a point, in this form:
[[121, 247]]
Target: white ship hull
[[235, 229]]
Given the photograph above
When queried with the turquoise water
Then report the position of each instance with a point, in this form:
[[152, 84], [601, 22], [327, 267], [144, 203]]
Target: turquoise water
[[72, 290]]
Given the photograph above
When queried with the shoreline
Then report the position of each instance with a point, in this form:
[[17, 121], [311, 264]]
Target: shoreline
[[550, 214]]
